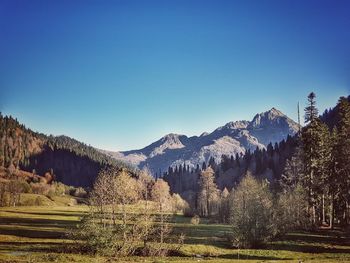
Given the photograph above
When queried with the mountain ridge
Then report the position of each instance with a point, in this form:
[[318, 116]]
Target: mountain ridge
[[235, 137]]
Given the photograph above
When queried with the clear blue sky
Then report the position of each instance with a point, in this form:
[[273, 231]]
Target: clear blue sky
[[121, 74]]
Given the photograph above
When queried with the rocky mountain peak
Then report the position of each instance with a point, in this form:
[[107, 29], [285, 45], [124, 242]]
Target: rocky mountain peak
[[172, 141], [233, 138], [268, 118]]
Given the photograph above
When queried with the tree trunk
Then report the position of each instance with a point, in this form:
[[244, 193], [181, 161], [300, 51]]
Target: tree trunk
[[314, 214], [347, 212], [161, 224], [124, 223], [323, 211], [331, 213]]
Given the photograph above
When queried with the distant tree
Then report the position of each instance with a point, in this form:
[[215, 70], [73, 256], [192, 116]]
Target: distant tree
[[226, 162], [291, 210], [340, 162], [293, 171], [178, 204], [197, 168], [208, 192], [316, 155], [161, 195], [311, 111], [115, 189], [212, 163], [3, 195], [224, 210], [145, 182], [204, 166], [126, 192]]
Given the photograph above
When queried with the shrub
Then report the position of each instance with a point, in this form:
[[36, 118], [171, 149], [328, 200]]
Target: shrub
[[39, 201], [40, 188], [96, 238], [26, 188], [79, 192], [59, 188], [195, 220]]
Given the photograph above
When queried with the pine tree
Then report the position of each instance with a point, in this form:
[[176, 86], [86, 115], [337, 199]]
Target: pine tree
[[316, 154], [341, 156], [293, 171], [311, 112]]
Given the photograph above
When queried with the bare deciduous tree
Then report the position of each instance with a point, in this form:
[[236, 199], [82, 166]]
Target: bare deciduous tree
[[161, 195], [208, 193]]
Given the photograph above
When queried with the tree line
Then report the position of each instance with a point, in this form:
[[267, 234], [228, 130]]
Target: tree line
[[302, 182], [321, 164], [73, 162], [129, 214]]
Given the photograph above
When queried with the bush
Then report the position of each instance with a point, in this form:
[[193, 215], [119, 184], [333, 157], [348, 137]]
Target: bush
[[96, 238], [39, 201], [26, 188], [58, 188], [40, 188], [78, 192], [195, 220]]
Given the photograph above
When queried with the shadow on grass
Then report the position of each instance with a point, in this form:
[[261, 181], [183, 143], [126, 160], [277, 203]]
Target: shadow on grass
[[33, 247], [17, 227], [58, 213], [248, 257], [307, 248], [321, 241], [333, 237], [33, 233], [37, 222]]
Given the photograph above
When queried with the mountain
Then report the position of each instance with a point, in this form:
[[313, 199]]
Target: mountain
[[70, 161], [233, 138]]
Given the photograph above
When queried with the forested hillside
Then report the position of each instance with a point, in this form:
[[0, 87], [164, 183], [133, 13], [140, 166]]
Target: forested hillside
[[72, 162], [264, 164], [317, 159]]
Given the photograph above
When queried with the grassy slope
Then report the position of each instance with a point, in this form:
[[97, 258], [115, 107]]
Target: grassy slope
[[36, 234]]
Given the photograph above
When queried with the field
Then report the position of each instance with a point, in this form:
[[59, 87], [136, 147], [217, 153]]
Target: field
[[37, 234]]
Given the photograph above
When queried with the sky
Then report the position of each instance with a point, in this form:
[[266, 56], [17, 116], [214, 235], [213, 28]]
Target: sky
[[119, 75]]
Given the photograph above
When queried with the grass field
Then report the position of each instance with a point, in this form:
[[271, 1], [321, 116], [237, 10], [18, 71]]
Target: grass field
[[37, 234]]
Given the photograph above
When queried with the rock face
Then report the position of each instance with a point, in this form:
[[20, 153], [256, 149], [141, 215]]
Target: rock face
[[231, 139]]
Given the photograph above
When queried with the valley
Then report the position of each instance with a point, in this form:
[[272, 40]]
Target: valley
[[38, 234]]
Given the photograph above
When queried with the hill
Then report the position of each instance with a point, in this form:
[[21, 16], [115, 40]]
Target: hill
[[70, 161]]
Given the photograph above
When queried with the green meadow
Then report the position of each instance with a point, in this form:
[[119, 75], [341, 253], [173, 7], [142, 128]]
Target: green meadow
[[38, 234]]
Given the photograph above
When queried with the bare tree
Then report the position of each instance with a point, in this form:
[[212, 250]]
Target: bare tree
[[208, 193], [15, 188], [103, 197], [161, 195], [127, 193], [3, 196], [116, 227], [145, 182], [178, 204], [224, 209]]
